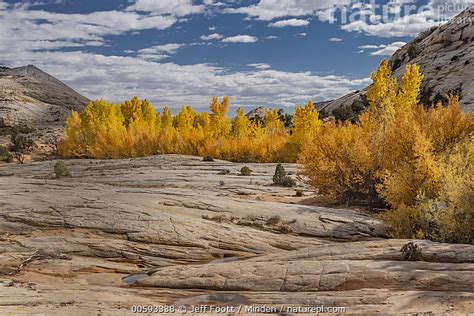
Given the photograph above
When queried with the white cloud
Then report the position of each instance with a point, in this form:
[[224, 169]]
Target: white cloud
[[173, 7], [116, 78], [158, 52], [393, 24], [434, 13], [240, 39], [404, 26], [382, 50], [290, 22], [211, 37], [212, 28], [260, 66], [143, 72], [270, 9], [335, 39], [270, 37], [39, 27], [303, 34]]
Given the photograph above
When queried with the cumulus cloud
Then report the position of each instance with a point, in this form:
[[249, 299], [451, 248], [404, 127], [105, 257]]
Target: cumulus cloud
[[400, 18], [290, 22], [115, 78], [270, 9], [240, 39], [212, 37], [260, 66], [158, 52], [172, 7], [335, 39], [382, 50], [38, 27], [38, 35], [409, 25]]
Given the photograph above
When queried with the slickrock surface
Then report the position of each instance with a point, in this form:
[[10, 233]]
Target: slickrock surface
[[176, 230], [31, 97]]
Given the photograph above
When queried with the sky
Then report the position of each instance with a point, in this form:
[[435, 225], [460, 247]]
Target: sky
[[275, 53]]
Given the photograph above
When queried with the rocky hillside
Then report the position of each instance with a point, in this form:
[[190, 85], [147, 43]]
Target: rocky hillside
[[31, 97], [446, 57]]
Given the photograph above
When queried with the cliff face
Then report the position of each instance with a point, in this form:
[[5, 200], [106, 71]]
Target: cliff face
[[446, 57], [31, 97]]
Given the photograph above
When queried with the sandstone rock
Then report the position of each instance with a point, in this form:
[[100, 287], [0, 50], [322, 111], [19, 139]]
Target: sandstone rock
[[33, 98], [162, 230]]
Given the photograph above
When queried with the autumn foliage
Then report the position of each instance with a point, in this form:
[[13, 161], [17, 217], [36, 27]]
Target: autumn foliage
[[417, 161], [134, 129]]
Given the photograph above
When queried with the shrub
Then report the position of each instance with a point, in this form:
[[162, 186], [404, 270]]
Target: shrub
[[287, 181], [5, 155], [359, 105], [208, 158], [299, 193], [416, 161], [280, 173], [245, 171], [60, 169], [323, 113], [280, 177], [412, 50], [343, 113], [447, 214], [20, 142]]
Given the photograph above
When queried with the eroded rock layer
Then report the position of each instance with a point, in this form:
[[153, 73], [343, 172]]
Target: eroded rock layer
[[177, 230]]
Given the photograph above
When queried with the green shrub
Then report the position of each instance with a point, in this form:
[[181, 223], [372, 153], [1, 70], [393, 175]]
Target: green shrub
[[412, 50], [245, 171], [61, 170], [9, 131], [287, 181], [20, 142], [281, 178], [280, 173], [343, 113], [5, 155], [323, 113]]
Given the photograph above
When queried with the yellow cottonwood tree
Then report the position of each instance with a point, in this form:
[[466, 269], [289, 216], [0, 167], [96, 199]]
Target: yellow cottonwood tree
[[306, 124], [273, 124], [382, 94], [408, 92], [220, 124], [241, 125]]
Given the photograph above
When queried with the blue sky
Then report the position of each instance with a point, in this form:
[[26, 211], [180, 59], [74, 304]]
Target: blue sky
[[260, 52]]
